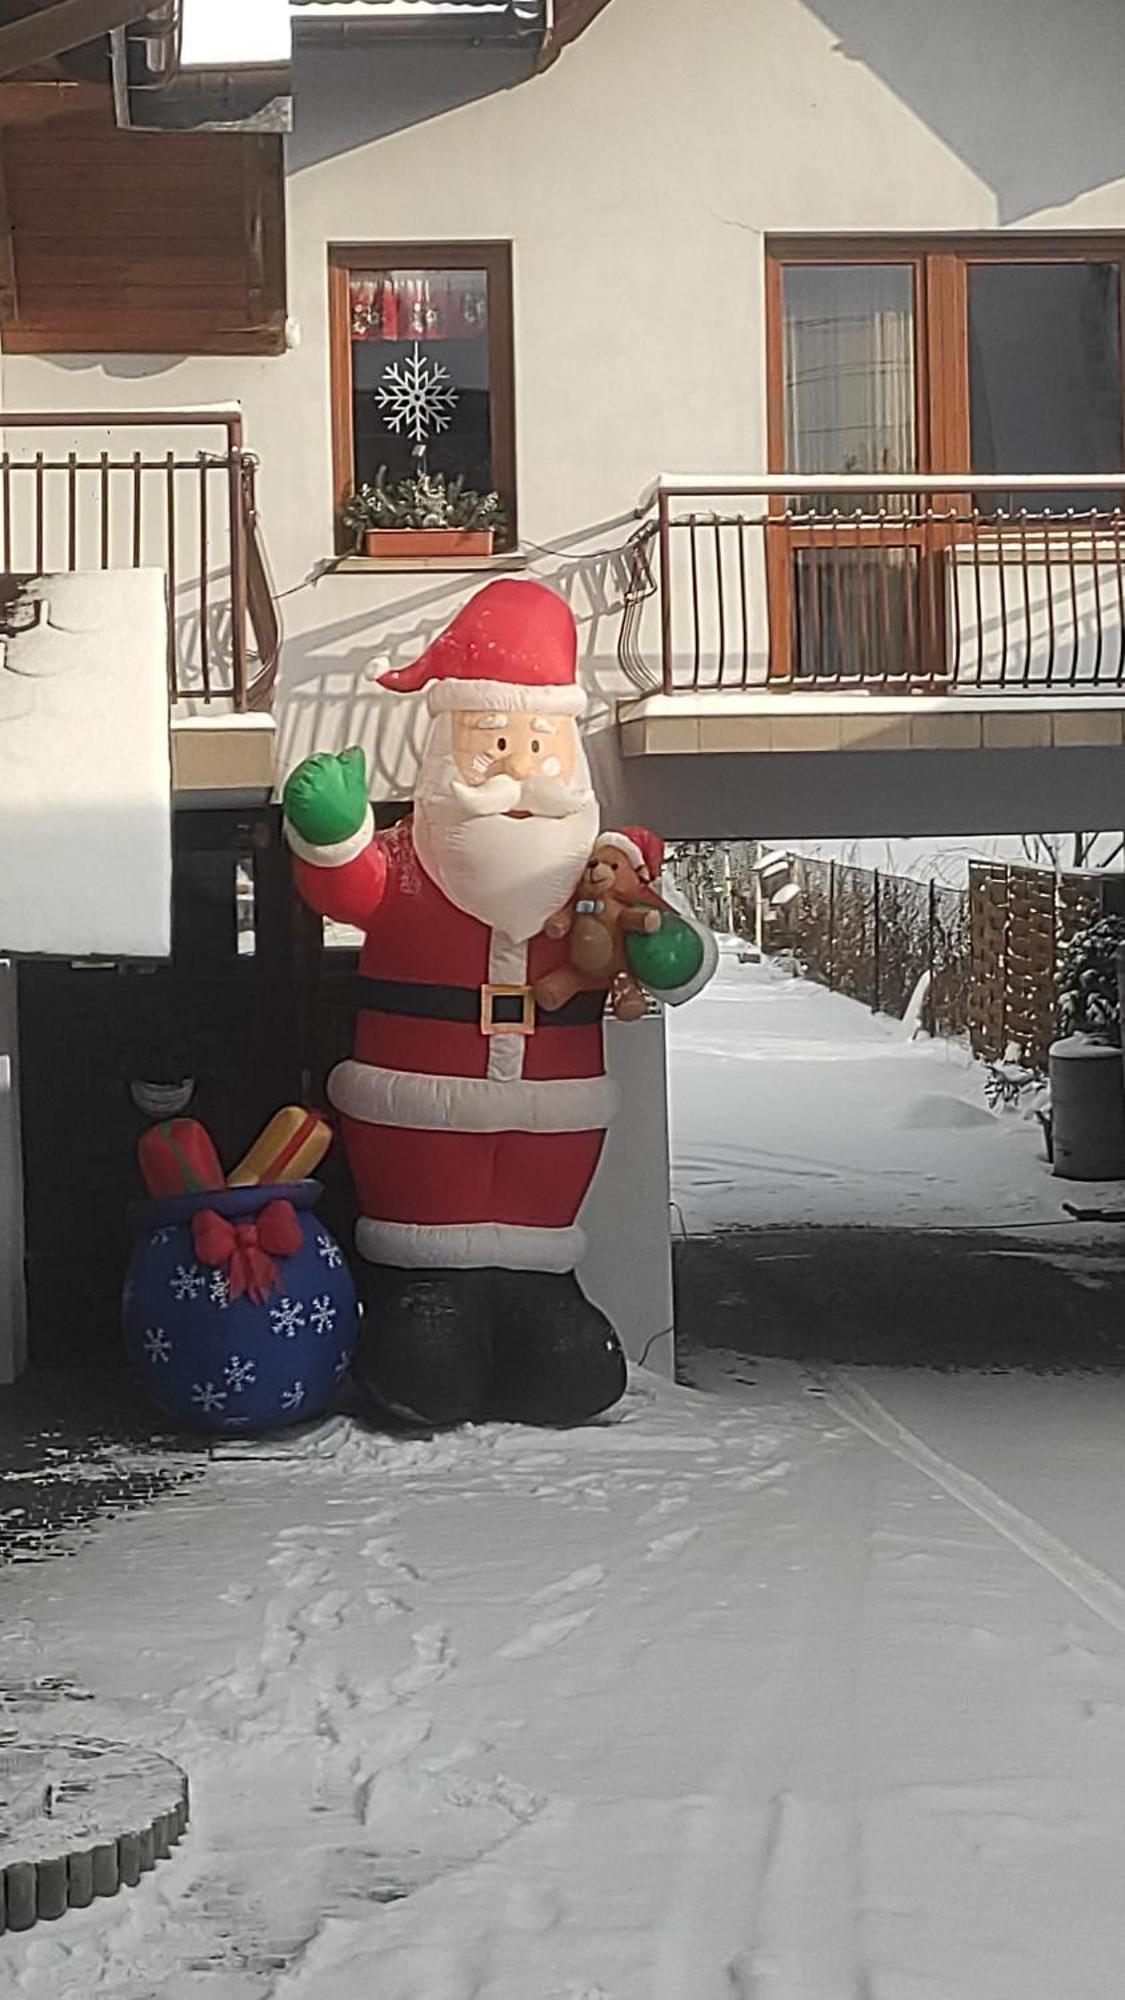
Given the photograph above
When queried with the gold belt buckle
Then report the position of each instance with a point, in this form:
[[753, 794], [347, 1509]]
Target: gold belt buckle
[[488, 997]]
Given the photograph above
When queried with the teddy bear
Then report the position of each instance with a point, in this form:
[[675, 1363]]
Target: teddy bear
[[612, 900]]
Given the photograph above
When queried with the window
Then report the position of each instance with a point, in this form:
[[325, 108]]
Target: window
[[435, 315], [986, 354], [992, 354]]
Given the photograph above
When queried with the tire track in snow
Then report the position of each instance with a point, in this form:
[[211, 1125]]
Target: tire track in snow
[[1093, 1588], [767, 1903]]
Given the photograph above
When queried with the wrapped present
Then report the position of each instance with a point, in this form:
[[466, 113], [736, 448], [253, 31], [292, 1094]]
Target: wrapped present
[[291, 1147], [179, 1157]]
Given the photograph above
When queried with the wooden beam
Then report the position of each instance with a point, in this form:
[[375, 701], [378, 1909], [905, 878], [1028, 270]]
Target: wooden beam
[[61, 25], [9, 300], [32, 104]]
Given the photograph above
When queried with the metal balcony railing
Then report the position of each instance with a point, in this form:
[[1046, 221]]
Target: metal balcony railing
[[74, 495], [959, 584]]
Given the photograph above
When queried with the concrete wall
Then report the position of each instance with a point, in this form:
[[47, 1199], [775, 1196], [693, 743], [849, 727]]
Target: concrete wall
[[628, 1266]]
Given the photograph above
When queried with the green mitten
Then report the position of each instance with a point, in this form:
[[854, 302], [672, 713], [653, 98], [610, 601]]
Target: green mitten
[[325, 798], [666, 959]]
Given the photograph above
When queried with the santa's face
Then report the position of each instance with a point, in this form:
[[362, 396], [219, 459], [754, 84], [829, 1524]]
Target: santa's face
[[504, 815]]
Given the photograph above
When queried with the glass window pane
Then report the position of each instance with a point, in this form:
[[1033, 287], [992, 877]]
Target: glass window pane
[[849, 368], [1045, 374], [420, 374]]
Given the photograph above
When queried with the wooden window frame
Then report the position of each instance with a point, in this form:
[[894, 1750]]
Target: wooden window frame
[[495, 259], [941, 319], [940, 264]]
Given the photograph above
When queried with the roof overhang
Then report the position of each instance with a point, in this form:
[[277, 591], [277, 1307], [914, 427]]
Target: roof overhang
[[475, 21]]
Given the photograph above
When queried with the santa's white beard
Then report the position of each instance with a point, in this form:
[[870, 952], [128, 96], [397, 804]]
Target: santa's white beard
[[512, 874]]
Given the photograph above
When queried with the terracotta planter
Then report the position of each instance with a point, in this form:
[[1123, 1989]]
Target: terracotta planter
[[392, 544]]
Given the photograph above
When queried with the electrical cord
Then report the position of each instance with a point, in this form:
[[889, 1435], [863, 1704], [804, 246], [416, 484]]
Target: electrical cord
[[666, 1333], [331, 565]]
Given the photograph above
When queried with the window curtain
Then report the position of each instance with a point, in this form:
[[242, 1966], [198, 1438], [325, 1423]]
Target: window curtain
[[849, 369], [418, 305]]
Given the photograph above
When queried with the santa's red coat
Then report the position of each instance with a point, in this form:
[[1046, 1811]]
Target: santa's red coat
[[466, 1149]]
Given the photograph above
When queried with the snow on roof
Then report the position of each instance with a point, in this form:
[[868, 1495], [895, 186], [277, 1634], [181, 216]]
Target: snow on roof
[[334, 8], [217, 35]]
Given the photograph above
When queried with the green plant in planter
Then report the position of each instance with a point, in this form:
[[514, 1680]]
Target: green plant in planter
[[424, 500], [1086, 980]]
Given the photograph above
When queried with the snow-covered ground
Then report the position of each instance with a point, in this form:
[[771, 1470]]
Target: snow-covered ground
[[791, 1105], [746, 1693]]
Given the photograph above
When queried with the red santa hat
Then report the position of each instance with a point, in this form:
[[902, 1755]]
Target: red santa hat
[[514, 646], [644, 849]]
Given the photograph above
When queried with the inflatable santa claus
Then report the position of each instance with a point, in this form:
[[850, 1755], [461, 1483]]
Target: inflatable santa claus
[[473, 1118]]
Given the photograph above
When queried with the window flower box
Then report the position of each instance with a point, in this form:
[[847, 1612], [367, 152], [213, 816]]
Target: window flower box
[[395, 544]]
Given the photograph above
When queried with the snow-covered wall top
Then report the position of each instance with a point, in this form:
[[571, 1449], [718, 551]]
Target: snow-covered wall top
[[85, 781]]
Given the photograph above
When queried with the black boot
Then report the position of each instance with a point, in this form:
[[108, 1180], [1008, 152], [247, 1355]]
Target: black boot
[[557, 1360], [425, 1344]]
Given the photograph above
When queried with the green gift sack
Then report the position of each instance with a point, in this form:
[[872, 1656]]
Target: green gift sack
[[666, 959]]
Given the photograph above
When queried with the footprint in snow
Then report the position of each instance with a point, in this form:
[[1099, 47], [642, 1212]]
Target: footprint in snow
[[539, 1638], [329, 1609], [379, 1550], [670, 1545], [671, 1504], [434, 1658], [384, 1605], [568, 1586]]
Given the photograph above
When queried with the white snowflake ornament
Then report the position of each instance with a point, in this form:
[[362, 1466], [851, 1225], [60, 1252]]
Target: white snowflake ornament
[[157, 1344], [330, 1252], [417, 397], [239, 1374], [287, 1318], [208, 1397], [293, 1397], [218, 1290], [322, 1315], [186, 1282]]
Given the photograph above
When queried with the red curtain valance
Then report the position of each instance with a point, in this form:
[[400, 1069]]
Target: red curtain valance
[[432, 305]]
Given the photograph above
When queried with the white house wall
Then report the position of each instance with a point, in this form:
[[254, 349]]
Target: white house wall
[[635, 180]]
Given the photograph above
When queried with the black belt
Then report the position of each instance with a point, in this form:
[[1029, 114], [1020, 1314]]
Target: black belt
[[507, 1008]]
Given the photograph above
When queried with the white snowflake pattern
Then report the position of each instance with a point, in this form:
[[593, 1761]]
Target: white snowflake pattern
[[187, 1281], [208, 1397], [157, 1343], [293, 1397], [287, 1318], [218, 1290], [160, 1237], [239, 1374], [417, 396], [331, 1252], [341, 1366], [322, 1314]]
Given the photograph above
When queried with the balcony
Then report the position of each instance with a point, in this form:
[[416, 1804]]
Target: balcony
[[168, 489], [171, 490], [955, 611]]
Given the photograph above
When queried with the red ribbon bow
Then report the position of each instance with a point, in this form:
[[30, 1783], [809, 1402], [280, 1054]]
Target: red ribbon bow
[[246, 1250]]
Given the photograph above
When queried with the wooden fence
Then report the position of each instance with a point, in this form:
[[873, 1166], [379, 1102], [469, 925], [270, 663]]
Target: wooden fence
[[1020, 919], [990, 951], [873, 936]]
